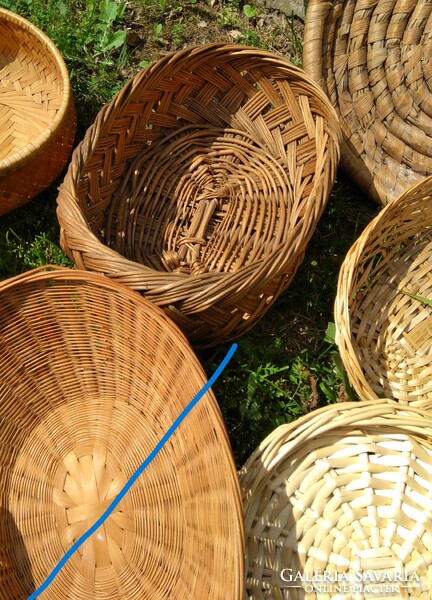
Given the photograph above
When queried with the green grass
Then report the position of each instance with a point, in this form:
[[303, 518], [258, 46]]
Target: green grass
[[288, 364]]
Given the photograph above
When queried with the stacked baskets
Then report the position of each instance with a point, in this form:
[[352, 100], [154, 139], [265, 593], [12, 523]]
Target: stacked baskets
[[337, 503], [200, 186]]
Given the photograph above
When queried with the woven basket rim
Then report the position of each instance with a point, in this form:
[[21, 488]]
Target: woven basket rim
[[18, 159], [347, 414], [343, 336], [102, 123]]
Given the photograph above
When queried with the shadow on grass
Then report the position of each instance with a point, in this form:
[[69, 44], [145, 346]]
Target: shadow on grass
[[284, 367]]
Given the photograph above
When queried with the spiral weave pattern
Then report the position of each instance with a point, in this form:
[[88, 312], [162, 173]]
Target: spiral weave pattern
[[91, 378], [373, 59]]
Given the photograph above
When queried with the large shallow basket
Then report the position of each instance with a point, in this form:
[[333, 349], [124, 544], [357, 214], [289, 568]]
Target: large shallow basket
[[342, 495], [37, 115], [384, 335], [372, 58], [91, 377], [201, 184]]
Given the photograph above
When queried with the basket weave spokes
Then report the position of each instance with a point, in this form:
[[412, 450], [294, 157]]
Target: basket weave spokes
[[346, 491], [200, 200], [92, 377]]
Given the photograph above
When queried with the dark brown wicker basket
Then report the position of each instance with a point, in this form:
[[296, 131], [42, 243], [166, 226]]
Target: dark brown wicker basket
[[201, 184]]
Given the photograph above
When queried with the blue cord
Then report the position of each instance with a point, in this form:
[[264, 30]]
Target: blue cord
[[135, 476]]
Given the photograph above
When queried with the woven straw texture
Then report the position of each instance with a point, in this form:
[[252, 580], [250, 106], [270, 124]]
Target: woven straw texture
[[37, 115], [346, 490], [91, 377], [384, 335], [372, 58], [201, 184]]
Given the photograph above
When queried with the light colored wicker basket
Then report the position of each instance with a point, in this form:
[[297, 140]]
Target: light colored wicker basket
[[201, 184], [345, 490], [372, 59], [385, 336], [37, 115], [91, 378]]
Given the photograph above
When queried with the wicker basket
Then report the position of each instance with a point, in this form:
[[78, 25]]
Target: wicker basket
[[385, 336], [372, 60], [91, 377], [37, 115], [201, 184], [342, 494]]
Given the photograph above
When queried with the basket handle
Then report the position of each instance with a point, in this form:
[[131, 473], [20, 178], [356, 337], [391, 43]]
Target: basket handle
[[194, 238]]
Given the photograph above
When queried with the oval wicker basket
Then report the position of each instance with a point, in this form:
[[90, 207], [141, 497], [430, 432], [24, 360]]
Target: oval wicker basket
[[91, 378], [372, 60], [37, 114], [346, 491], [201, 184], [384, 335]]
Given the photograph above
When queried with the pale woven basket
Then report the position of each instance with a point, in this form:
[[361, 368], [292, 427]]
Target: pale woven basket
[[384, 335], [91, 378], [201, 184], [372, 58], [342, 494], [37, 114]]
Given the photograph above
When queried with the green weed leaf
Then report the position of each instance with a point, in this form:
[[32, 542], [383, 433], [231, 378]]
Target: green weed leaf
[[115, 40], [340, 370], [249, 11], [330, 334], [108, 11], [8, 5], [252, 383], [415, 297]]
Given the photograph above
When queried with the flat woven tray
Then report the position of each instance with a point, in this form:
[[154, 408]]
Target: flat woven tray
[[91, 378], [345, 491], [384, 335], [372, 58], [201, 184], [37, 115]]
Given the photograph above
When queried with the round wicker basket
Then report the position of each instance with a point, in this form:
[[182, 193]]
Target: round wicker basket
[[384, 335], [201, 184], [91, 378], [37, 114], [372, 58], [341, 498]]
